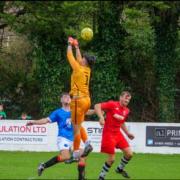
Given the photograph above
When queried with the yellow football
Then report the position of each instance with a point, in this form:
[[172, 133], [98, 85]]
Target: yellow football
[[87, 34]]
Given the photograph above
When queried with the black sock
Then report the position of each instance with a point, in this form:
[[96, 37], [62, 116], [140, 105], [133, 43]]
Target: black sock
[[123, 163], [81, 171], [51, 162], [104, 170]]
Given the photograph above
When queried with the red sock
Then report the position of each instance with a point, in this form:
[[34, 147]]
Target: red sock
[[59, 159], [81, 170], [81, 164]]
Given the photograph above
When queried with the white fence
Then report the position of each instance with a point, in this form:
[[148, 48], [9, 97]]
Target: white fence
[[149, 137]]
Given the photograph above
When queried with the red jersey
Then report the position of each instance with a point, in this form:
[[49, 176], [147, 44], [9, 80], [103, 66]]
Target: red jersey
[[111, 108]]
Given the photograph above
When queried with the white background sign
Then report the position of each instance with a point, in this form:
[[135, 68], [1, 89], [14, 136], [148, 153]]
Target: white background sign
[[17, 133], [14, 135]]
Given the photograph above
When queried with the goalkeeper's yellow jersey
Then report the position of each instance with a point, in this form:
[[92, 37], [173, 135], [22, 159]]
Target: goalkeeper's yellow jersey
[[80, 77]]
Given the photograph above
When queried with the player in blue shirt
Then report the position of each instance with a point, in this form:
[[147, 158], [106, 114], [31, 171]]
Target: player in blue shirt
[[65, 133]]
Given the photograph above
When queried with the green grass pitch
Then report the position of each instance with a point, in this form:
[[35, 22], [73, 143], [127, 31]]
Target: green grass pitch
[[23, 165]]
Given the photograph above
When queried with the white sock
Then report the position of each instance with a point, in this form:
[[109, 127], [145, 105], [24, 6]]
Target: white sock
[[87, 142], [104, 170], [76, 154], [124, 162]]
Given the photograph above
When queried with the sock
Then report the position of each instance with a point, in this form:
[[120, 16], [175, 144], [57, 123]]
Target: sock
[[81, 171], [124, 162], [77, 141], [84, 135], [52, 161], [76, 154], [104, 170], [87, 143]]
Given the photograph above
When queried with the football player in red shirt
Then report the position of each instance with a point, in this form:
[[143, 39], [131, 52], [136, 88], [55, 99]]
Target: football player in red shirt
[[116, 115]]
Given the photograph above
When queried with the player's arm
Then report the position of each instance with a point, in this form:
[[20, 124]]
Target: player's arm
[[78, 52], [90, 112], [125, 129], [72, 61], [38, 122], [99, 113]]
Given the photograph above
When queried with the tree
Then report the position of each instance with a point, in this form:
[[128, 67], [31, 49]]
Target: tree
[[47, 25], [165, 23], [106, 83], [137, 65]]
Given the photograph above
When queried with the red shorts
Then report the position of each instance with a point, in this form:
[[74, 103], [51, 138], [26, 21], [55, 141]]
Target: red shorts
[[110, 141]]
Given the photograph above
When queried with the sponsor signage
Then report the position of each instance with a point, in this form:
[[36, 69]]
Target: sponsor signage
[[163, 136], [94, 131], [19, 133]]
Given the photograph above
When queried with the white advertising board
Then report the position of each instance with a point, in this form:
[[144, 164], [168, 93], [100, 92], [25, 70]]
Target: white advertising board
[[15, 135], [149, 137], [19, 133]]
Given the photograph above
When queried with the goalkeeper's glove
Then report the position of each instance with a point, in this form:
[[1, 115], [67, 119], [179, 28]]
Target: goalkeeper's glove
[[76, 43], [70, 40]]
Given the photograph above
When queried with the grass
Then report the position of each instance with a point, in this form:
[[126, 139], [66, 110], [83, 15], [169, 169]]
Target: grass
[[23, 165]]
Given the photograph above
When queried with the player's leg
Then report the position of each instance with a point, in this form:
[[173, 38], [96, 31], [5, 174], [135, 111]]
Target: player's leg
[[84, 135], [85, 104], [76, 153], [79, 107], [63, 145], [127, 155], [63, 155], [88, 146], [83, 132], [76, 116], [108, 147], [81, 169], [77, 140], [107, 165]]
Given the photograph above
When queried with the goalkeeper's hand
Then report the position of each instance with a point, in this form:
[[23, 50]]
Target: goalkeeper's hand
[[70, 40], [76, 43]]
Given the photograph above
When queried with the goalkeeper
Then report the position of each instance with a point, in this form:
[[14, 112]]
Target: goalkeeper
[[81, 101]]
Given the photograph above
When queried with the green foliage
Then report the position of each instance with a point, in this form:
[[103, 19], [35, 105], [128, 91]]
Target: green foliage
[[18, 86], [138, 62], [80, 15], [166, 40], [53, 74], [106, 83], [124, 41], [161, 5]]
